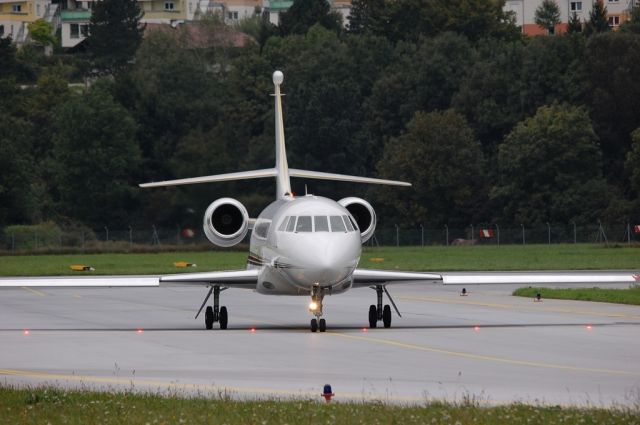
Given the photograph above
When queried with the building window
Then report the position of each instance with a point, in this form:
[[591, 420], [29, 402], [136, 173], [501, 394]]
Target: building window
[[614, 21], [84, 30], [1, 30], [613, 1], [576, 6], [75, 31], [17, 8], [232, 15], [190, 7], [168, 5]]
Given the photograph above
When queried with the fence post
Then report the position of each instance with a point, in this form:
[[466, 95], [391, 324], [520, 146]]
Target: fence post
[[602, 233], [13, 242], [130, 236], [472, 233], [446, 230], [83, 241], [522, 225], [106, 229], [498, 232], [177, 234], [422, 235], [628, 234], [549, 233], [575, 233]]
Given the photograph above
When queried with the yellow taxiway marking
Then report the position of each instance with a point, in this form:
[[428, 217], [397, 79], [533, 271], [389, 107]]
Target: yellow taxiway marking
[[482, 357], [219, 389], [34, 291], [523, 307]]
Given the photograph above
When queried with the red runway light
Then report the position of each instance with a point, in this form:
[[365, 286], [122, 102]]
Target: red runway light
[[140, 330], [26, 332], [476, 328], [252, 330], [589, 327], [365, 330]]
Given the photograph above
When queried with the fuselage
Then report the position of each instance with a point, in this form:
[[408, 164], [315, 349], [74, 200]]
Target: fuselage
[[301, 242]]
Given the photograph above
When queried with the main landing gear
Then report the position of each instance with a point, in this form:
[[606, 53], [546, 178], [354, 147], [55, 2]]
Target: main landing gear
[[315, 306], [215, 313], [378, 313]]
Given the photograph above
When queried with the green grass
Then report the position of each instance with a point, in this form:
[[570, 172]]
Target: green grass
[[618, 296], [56, 406], [459, 258]]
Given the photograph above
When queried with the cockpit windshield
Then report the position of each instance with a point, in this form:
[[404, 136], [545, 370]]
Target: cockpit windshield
[[317, 223]]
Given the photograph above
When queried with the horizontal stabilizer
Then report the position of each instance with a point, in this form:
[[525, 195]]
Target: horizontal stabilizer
[[243, 175], [343, 177]]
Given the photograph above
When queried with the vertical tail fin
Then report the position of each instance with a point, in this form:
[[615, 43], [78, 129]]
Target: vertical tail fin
[[283, 185]]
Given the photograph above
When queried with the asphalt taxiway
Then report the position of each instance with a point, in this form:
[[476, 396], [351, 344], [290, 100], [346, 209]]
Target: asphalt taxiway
[[488, 346]]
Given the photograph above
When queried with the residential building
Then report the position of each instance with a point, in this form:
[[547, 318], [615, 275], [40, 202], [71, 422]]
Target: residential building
[[275, 7], [75, 18], [525, 10], [16, 15]]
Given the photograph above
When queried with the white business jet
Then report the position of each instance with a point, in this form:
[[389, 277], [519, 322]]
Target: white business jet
[[300, 245], [303, 245]]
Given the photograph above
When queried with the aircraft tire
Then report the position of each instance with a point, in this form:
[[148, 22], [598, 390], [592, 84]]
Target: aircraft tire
[[322, 325], [386, 316], [208, 318], [224, 317], [314, 325], [373, 316]]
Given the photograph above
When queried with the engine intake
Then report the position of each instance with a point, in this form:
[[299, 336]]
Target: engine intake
[[363, 213], [226, 222]]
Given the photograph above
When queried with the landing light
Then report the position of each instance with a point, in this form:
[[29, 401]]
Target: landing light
[[313, 306], [589, 327], [26, 332]]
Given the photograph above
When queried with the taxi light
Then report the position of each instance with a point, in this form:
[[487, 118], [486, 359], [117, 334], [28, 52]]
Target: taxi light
[[313, 306]]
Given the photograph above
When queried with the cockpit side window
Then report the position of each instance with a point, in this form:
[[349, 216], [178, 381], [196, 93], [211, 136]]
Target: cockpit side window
[[321, 223], [291, 225], [262, 229], [337, 225], [283, 225], [304, 224], [348, 223], [355, 225]]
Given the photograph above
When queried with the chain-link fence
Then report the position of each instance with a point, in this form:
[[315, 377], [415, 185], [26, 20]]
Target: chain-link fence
[[153, 238]]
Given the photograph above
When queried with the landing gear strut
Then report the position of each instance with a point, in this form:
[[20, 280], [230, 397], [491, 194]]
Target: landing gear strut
[[379, 313], [215, 313], [317, 324]]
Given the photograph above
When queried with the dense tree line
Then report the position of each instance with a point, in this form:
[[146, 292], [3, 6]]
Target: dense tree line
[[488, 125]]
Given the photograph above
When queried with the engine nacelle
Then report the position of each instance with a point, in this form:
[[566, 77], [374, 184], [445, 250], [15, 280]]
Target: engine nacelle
[[226, 222], [363, 213]]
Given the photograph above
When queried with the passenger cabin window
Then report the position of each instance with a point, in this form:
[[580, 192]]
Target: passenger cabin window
[[337, 225], [291, 225], [304, 224], [321, 223], [348, 223], [262, 229], [283, 225]]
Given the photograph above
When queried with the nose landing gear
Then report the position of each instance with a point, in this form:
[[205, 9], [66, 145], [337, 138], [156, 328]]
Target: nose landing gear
[[379, 313], [315, 306], [215, 313]]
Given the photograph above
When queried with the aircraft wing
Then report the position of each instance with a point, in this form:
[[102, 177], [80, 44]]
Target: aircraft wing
[[343, 177], [368, 277], [79, 282], [246, 279], [540, 278]]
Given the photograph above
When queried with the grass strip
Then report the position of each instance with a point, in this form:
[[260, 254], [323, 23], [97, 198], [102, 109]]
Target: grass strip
[[617, 296], [57, 406], [458, 258]]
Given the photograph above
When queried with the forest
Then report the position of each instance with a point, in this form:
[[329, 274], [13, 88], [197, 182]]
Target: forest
[[490, 126]]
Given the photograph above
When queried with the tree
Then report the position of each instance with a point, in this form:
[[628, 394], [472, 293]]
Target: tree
[[367, 16], [632, 165], [7, 58], [115, 33], [547, 15], [96, 159], [598, 20], [41, 32], [303, 14], [632, 25], [575, 25], [440, 157], [550, 169]]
